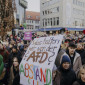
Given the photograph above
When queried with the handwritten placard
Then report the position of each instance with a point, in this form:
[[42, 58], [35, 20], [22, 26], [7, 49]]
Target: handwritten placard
[[37, 63]]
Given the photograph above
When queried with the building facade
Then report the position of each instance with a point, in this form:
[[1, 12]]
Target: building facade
[[62, 13], [19, 15], [32, 20]]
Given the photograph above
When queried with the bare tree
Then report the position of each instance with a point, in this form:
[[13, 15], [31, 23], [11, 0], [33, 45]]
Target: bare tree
[[7, 8]]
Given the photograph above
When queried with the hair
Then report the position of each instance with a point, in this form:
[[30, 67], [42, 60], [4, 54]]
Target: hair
[[17, 68], [80, 43], [82, 68], [72, 44]]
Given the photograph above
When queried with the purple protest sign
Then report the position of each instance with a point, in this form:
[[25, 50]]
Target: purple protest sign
[[28, 36]]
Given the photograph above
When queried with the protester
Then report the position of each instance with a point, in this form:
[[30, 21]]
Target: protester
[[74, 56], [14, 72], [9, 48], [4, 53], [81, 51], [68, 76], [81, 76], [62, 74], [15, 52], [55, 76]]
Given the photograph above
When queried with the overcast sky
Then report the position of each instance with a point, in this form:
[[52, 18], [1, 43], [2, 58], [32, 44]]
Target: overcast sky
[[33, 5]]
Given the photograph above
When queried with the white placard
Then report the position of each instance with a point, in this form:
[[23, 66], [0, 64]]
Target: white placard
[[37, 63]]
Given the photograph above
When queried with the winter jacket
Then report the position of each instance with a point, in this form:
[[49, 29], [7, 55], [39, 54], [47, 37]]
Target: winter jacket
[[16, 80], [79, 82], [82, 54], [56, 80], [68, 77], [76, 83], [57, 61], [14, 76]]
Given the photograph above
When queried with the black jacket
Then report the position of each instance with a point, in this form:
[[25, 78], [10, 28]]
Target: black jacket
[[82, 54], [68, 77], [16, 80], [79, 82]]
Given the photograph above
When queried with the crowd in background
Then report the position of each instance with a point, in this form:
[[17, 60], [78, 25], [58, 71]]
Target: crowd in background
[[69, 68]]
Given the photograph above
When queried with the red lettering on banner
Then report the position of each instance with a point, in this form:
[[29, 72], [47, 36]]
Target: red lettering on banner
[[42, 75]]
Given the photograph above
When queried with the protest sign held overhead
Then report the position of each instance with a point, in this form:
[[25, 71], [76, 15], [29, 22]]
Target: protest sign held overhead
[[28, 36], [38, 61]]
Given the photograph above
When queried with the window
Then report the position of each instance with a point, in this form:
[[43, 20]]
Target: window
[[37, 17], [43, 4], [32, 21], [45, 22], [51, 21], [75, 23], [48, 12], [79, 3], [57, 9], [54, 21], [57, 20], [48, 20], [37, 22], [43, 12], [29, 16], [36, 27]]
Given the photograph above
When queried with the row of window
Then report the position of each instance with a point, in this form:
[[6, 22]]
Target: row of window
[[52, 10], [36, 27], [78, 11], [79, 3], [31, 27], [78, 23], [50, 2], [32, 21], [29, 21], [55, 21], [37, 22], [37, 17], [51, 21]]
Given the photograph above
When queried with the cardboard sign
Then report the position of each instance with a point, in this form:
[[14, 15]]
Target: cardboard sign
[[28, 36], [38, 61]]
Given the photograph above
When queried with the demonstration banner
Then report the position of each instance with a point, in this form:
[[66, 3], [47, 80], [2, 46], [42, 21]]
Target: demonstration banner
[[28, 36], [38, 61]]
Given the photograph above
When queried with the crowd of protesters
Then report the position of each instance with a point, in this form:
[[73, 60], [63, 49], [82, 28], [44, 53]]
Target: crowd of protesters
[[69, 68], [70, 61]]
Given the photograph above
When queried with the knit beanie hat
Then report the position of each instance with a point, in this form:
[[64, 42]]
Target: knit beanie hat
[[65, 58]]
